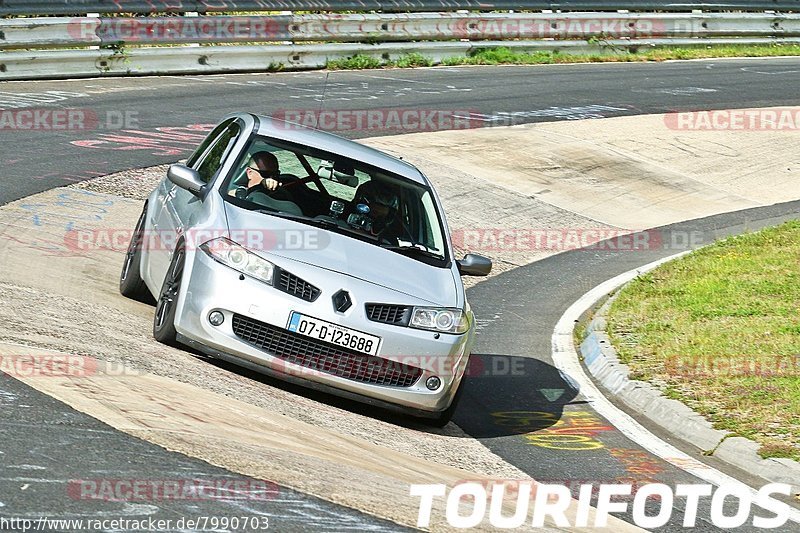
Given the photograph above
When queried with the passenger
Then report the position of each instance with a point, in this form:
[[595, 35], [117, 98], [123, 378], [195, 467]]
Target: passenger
[[384, 208]]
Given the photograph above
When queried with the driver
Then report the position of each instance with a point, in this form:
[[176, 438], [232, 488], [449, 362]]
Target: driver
[[263, 177], [263, 169]]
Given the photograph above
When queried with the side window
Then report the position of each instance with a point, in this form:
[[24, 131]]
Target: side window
[[216, 153], [429, 220], [289, 163], [198, 153]]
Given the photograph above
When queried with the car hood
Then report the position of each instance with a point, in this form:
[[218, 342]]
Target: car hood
[[342, 254]]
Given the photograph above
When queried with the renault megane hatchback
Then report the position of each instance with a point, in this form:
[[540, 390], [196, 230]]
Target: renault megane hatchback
[[310, 257]]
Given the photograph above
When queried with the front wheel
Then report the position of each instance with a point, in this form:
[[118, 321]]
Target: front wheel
[[131, 284], [164, 319], [445, 416]]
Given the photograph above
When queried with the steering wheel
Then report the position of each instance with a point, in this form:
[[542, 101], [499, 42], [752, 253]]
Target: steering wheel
[[383, 238]]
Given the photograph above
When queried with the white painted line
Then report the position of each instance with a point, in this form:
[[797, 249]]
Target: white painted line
[[566, 360], [405, 80]]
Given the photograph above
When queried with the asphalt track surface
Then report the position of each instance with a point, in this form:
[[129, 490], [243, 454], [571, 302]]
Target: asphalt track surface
[[50, 451], [519, 390]]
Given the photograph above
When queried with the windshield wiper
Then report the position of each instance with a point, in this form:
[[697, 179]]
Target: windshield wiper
[[416, 248]]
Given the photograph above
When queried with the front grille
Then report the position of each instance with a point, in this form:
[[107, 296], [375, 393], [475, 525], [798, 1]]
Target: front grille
[[322, 356], [389, 314], [289, 283]]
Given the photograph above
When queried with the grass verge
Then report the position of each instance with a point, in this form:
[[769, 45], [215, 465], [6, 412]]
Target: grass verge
[[506, 56], [720, 330]]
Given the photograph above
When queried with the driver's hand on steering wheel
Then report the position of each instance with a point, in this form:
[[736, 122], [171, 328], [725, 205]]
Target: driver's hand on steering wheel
[[270, 184], [256, 176]]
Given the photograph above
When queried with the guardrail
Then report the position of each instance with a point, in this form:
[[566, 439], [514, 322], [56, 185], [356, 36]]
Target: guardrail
[[77, 7], [85, 31], [229, 59], [120, 45]]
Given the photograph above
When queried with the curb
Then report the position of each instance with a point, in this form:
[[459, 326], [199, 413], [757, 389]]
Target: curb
[[602, 361]]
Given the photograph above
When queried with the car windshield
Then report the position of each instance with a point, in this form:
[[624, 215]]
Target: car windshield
[[342, 195]]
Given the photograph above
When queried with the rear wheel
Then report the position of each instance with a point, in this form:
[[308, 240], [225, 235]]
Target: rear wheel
[[164, 318], [131, 284]]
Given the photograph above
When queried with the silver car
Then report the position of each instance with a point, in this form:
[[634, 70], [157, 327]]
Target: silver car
[[312, 258]]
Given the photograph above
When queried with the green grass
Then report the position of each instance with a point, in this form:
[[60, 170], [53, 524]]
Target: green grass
[[506, 56], [413, 59], [720, 330], [357, 62], [580, 332], [363, 61]]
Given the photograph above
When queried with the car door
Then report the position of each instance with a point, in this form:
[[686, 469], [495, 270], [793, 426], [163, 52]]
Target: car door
[[180, 207]]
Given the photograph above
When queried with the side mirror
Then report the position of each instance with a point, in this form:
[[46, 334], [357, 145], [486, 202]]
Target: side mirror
[[474, 265], [186, 178]]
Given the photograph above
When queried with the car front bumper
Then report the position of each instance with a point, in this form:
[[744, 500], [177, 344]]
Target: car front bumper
[[211, 286]]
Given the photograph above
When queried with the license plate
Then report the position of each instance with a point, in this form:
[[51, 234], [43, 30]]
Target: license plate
[[334, 334]]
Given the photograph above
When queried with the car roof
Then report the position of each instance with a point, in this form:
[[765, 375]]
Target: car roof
[[328, 142]]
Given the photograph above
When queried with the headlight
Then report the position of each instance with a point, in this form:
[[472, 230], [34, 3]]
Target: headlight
[[441, 319], [238, 258]]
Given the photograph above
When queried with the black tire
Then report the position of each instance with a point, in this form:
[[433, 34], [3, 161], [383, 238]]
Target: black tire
[[131, 284], [445, 416], [164, 317]]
